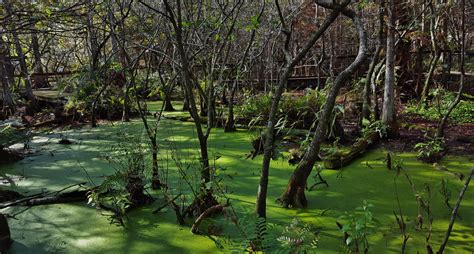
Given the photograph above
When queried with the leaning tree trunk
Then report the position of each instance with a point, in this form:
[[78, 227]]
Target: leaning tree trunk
[[294, 195], [291, 63]]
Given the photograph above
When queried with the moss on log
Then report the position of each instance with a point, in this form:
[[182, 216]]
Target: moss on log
[[357, 149]]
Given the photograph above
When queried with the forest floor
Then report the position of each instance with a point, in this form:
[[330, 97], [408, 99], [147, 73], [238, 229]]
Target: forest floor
[[79, 228]]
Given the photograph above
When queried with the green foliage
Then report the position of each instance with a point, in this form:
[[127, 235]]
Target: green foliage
[[332, 151], [257, 235], [83, 87], [377, 126], [394, 162], [430, 150], [298, 237], [253, 235], [359, 226], [462, 113], [293, 111], [10, 136], [115, 193]]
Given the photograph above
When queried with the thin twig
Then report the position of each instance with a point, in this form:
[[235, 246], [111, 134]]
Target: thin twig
[[454, 213]]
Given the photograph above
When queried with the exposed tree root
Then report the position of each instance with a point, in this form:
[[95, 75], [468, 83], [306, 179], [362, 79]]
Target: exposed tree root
[[208, 212]]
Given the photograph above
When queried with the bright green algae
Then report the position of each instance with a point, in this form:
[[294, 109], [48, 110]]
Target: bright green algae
[[78, 228]]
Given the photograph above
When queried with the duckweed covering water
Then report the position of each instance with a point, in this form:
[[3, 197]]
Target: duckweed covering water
[[78, 228]]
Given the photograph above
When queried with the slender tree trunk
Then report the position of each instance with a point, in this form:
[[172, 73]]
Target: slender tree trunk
[[402, 45], [230, 123], [38, 66], [443, 121], [126, 103], [37, 80], [5, 63], [388, 111], [436, 54], [118, 48], [375, 59], [373, 84], [185, 102], [188, 87], [21, 56], [419, 68], [294, 195], [455, 210], [93, 58]]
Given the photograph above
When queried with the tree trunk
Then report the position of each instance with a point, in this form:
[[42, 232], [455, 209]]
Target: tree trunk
[[188, 87], [38, 81], [368, 80], [436, 54], [21, 57], [185, 103], [419, 67], [126, 103], [443, 121], [93, 57], [168, 104], [291, 63], [388, 111], [230, 123], [294, 194], [5, 79]]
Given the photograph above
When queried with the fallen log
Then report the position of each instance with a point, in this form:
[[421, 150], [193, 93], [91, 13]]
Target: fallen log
[[55, 197], [57, 120], [357, 149], [67, 197]]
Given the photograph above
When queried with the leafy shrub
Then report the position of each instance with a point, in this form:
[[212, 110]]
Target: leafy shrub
[[359, 225], [86, 88], [293, 112], [378, 126], [431, 150], [124, 189], [259, 236], [462, 113], [298, 237]]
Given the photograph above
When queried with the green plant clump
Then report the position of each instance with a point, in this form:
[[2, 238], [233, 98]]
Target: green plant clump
[[431, 150], [294, 111], [359, 225], [462, 113], [298, 237]]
